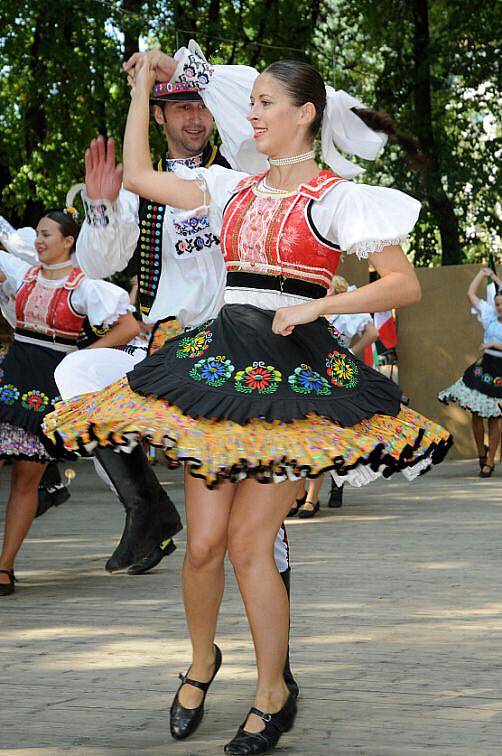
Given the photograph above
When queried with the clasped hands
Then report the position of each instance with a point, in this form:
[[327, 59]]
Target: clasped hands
[[143, 69]]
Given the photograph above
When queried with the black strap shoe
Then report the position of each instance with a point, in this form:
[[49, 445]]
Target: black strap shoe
[[486, 471], [298, 503], [306, 513], [6, 589], [153, 558], [246, 743], [336, 495], [182, 721]]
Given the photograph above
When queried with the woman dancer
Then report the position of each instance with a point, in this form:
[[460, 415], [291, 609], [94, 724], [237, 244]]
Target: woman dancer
[[52, 301], [258, 396], [479, 390]]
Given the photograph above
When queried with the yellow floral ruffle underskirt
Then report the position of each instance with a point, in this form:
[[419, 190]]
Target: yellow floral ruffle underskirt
[[265, 450]]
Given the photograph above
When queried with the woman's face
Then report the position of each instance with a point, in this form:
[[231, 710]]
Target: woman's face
[[52, 247], [280, 128], [498, 305]]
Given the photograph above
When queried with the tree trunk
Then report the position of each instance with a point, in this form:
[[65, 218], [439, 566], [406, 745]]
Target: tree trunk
[[265, 15], [130, 28], [213, 31], [440, 204], [35, 120]]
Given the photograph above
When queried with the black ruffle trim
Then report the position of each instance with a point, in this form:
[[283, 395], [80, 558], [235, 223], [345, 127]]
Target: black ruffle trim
[[264, 472], [26, 458], [27, 420]]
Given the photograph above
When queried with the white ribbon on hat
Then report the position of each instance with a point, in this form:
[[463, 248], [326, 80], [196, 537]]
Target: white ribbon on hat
[[343, 129], [5, 228]]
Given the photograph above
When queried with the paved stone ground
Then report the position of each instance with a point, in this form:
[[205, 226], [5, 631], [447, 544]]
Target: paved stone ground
[[397, 630]]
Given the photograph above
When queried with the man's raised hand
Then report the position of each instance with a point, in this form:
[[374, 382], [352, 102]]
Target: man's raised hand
[[162, 64], [103, 178]]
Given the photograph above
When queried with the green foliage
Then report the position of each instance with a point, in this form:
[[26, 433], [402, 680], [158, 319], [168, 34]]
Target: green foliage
[[372, 46], [61, 84]]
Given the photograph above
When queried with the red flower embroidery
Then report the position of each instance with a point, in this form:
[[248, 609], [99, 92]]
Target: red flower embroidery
[[258, 378]]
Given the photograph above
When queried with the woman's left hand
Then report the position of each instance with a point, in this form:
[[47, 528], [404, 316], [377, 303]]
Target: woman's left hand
[[487, 345], [286, 318]]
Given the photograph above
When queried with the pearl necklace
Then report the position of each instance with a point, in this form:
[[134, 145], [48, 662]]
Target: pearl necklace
[[273, 189], [263, 190], [293, 159]]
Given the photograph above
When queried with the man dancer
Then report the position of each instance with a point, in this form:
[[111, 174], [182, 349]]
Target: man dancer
[[179, 266]]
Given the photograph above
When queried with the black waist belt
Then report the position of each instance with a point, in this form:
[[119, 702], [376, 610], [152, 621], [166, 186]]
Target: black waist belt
[[276, 283], [49, 338]]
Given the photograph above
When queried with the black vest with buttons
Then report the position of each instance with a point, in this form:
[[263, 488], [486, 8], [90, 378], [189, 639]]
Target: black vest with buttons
[[148, 253]]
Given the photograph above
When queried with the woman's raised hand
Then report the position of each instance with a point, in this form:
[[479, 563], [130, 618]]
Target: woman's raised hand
[[163, 65], [488, 272], [103, 177]]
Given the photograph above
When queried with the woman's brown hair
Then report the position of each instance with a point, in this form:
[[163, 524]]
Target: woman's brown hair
[[304, 84]]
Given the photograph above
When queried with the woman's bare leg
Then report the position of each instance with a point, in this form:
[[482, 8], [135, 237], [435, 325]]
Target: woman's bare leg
[[21, 509], [301, 488], [493, 441], [478, 430], [315, 485], [257, 513], [207, 514]]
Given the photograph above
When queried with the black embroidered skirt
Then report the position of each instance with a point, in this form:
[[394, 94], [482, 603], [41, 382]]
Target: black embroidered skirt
[[479, 390], [27, 393], [235, 368]]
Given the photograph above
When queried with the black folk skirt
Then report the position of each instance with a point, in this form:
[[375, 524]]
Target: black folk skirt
[[28, 392], [479, 390]]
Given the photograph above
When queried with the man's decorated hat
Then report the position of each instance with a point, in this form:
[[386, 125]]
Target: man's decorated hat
[[166, 91]]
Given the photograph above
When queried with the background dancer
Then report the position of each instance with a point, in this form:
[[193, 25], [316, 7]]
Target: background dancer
[[358, 333], [479, 390], [255, 397], [52, 300], [21, 242]]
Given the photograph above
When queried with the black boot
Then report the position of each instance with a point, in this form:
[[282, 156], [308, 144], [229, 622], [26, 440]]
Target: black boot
[[153, 558], [288, 675], [51, 491], [151, 516], [336, 495]]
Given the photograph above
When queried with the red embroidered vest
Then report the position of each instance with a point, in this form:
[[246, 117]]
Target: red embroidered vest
[[47, 313], [276, 237]]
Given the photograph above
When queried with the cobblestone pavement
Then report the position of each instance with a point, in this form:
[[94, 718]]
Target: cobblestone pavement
[[396, 630]]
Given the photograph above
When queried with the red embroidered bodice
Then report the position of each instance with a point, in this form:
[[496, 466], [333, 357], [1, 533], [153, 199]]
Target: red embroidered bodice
[[48, 311], [277, 237]]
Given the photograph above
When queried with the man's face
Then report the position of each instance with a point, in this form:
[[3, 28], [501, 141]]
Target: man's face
[[186, 125]]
